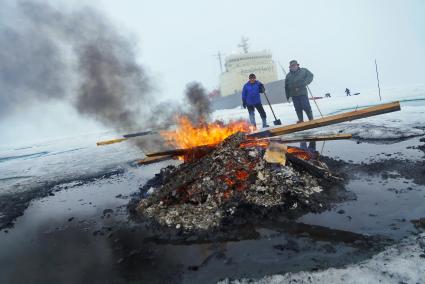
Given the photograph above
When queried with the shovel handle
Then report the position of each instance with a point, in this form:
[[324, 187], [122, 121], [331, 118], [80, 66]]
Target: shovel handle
[[275, 118]]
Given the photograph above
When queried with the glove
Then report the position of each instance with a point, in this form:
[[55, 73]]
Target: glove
[[244, 104], [262, 89]]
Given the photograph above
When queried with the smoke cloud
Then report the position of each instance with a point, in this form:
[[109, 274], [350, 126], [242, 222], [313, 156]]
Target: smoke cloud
[[78, 55]]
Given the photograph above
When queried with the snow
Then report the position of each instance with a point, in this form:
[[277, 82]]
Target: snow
[[400, 263], [29, 166]]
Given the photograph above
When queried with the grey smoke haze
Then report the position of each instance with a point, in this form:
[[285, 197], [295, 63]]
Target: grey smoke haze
[[47, 54], [195, 105], [30, 64]]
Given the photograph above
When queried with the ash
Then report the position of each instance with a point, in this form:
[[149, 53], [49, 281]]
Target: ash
[[230, 185]]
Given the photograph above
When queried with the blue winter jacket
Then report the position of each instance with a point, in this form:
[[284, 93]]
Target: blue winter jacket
[[251, 93]]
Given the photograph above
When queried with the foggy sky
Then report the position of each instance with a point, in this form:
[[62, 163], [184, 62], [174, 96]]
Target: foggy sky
[[337, 40]]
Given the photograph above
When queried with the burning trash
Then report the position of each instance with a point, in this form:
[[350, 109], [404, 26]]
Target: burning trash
[[235, 178]]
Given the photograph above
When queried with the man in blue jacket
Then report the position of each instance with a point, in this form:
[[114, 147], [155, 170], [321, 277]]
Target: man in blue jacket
[[251, 99]]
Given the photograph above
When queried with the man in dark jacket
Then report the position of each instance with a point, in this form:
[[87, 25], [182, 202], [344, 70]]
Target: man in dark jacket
[[296, 88], [251, 99]]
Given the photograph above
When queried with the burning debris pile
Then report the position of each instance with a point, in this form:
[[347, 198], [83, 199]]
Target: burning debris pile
[[231, 176], [234, 179]]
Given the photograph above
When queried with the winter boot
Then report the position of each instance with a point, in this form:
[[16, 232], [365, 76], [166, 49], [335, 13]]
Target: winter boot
[[252, 119], [300, 116], [264, 122], [309, 114]]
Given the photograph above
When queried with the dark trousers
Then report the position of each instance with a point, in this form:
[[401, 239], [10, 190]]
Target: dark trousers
[[251, 111], [301, 103]]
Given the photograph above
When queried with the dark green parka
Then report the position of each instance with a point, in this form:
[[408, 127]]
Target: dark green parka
[[296, 82]]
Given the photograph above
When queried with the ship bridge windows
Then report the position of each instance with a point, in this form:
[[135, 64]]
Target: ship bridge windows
[[248, 58]]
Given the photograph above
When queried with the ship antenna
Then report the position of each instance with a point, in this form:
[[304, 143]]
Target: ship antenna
[[244, 44]]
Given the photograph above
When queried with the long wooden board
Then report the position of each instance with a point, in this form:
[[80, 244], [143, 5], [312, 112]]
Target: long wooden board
[[329, 120], [156, 159], [179, 152], [125, 137], [312, 138], [109, 142]]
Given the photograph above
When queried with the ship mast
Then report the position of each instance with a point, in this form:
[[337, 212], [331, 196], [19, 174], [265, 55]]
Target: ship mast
[[218, 55], [244, 44]]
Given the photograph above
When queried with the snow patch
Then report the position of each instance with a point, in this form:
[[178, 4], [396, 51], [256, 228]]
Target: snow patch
[[401, 263]]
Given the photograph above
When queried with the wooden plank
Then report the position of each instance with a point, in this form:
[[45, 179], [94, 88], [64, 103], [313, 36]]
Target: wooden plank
[[180, 152], [125, 137], [138, 134], [108, 142], [156, 159], [329, 120], [314, 170], [312, 138], [281, 130]]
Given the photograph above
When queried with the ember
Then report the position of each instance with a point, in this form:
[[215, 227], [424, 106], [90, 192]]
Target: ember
[[209, 191], [255, 143], [300, 153]]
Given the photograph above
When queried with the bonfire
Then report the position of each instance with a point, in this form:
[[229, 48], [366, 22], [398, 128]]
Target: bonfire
[[225, 176]]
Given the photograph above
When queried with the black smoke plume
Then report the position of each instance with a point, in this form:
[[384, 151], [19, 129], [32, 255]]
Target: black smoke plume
[[78, 55], [199, 105]]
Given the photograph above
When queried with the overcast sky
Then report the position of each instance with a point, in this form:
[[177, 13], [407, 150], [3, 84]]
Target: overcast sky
[[337, 40]]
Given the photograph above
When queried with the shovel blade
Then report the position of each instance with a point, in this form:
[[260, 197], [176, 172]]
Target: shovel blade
[[277, 122]]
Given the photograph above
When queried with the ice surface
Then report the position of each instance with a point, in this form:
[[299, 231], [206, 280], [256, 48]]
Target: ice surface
[[29, 166], [401, 263]]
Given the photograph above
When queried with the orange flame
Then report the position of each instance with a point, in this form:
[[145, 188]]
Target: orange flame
[[299, 153], [188, 136]]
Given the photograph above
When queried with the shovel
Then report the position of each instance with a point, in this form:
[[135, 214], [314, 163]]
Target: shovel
[[276, 121]]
